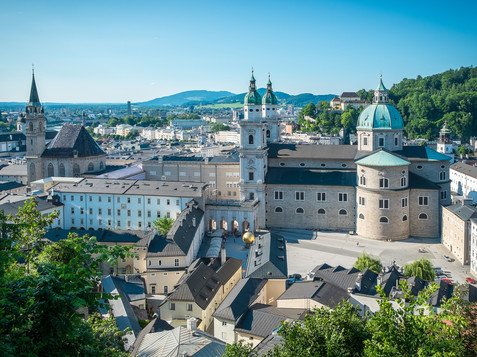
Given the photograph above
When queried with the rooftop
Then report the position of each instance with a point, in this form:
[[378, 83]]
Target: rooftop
[[301, 176], [465, 169], [267, 257], [382, 158], [463, 211], [311, 151], [422, 153]]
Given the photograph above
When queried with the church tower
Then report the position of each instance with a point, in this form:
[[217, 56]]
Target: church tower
[[444, 144], [270, 114], [35, 134], [253, 153]]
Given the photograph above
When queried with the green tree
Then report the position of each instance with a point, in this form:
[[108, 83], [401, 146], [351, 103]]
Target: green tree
[[215, 127], [163, 225], [421, 268], [365, 261], [239, 349], [45, 288]]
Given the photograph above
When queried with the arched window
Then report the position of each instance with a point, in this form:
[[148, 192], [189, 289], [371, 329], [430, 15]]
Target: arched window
[[90, 166], [300, 210], [383, 220], [362, 180], [343, 212], [76, 170], [442, 175], [30, 126], [278, 210], [361, 216], [321, 211], [404, 218], [101, 165], [50, 170], [250, 139], [268, 133], [61, 170], [422, 216]]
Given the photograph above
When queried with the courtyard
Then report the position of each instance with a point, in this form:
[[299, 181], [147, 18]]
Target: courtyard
[[306, 249]]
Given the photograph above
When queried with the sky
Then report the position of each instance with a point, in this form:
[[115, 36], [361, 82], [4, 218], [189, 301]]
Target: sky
[[118, 50]]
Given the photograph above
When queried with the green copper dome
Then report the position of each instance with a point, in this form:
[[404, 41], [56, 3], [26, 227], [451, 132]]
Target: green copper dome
[[269, 97], [252, 97], [380, 116]]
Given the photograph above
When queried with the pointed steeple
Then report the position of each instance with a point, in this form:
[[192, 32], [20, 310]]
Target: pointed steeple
[[381, 86], [381, 92], [34, 98], [252, 97], [269, 97]]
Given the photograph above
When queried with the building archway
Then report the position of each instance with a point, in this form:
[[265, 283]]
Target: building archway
[[223, 224], [245, 226], [212, 225], [235, 227]]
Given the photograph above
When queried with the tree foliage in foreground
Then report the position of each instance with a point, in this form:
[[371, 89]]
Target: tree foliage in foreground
[[421, 268], [365, 261], [46, 290], [402, 328]]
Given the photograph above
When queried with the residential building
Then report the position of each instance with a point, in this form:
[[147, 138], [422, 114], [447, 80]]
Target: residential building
[[457, 230], [464, 181], [201, 290], [102, 203], [473, 247]]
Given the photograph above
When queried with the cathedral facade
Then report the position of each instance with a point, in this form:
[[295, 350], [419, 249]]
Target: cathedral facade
[[71, 153], [378, 189]]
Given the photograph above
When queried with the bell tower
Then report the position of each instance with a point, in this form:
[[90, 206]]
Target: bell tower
[[253, 153], [444, 143], [270, 114], [35, 134]]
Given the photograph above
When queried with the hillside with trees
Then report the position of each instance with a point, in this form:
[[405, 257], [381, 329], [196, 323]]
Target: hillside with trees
[[425, 103]]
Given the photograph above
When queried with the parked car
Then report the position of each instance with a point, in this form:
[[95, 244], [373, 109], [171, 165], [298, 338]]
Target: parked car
[[470, 280]]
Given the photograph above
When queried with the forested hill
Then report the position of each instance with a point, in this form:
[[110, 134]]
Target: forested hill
[[426, 102]]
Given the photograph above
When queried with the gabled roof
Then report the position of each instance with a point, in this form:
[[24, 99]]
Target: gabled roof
[[181, 235], [240, 298], [138, 238], [390, 279], [464, 212], [465, 169], [349, 95], [72, 140], [423, 153], [300, 176], [267, 257], [261, 320], [204, 278], [445, 292], [382, 158], [325, 293]]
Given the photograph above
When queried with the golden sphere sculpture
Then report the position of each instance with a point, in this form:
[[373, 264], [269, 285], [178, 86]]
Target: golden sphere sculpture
[[248, 237]]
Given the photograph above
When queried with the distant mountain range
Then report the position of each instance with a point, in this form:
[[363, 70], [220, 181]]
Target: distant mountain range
[[202, 97]]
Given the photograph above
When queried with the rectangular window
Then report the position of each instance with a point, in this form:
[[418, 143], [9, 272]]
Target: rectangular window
[[383, 183], [90, 198], [168, 202], [177, 202], [158, 201], [99, 198], [250, 176], [176, 262], [173, 306], [129, 213], [139, 200], [362, 201], [384, 204], [443, 195], [278, 195], [423, 201], [343, 197], [299, 195], [118, 224], [64, 197], [189, 307], [381, 142], [109, 199], [148, 201], [90, 211], [396, 141], [109, 211], [119, 212], [129, 199], [81, 210], [365, 141], [139, 213], [321, 196], [404, 202], [81, 198], [442, 176], [148, 214], [72, 210]]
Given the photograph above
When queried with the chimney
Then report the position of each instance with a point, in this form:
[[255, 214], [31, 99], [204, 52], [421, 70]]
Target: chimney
[[193, 222], [223, 255], [192, 324]]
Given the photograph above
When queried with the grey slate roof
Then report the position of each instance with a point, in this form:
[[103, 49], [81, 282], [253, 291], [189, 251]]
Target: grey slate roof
[[261, 320], [299, 176], [132, 286], [349, 95], [268, 344], [180, 237], [72, 140], [267, 257], [465, 169], [445, 292], [390, 279], [308, 151], [422, 153], [203, 280], [464, 212], [325, 293], [42, 205], [362, 282], [240, 298]]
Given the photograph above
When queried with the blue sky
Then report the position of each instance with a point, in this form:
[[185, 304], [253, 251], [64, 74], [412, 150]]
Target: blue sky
[[113, 51]]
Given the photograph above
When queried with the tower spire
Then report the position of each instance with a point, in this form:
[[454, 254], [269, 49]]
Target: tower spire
[[34, 98]]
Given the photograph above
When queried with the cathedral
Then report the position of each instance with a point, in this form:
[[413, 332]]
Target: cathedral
[[71, 153], [378, 188]]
